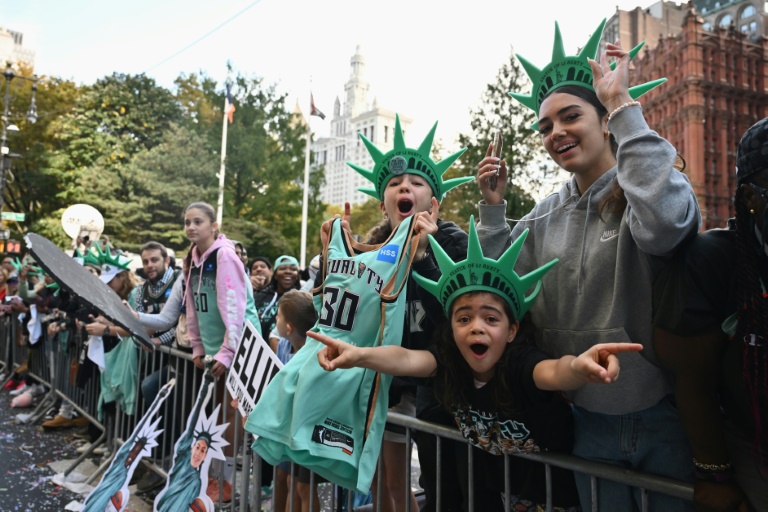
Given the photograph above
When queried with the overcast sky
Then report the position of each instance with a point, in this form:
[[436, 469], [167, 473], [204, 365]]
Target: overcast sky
[[428, 59]]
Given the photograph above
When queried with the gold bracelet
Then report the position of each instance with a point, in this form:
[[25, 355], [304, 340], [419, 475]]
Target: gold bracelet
[[711, 467], [622, 107]]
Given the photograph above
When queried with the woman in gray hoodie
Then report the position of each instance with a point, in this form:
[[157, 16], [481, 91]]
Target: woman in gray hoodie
[[623, 211]]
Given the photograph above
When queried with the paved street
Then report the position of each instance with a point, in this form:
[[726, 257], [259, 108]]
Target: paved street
[[26, 451]]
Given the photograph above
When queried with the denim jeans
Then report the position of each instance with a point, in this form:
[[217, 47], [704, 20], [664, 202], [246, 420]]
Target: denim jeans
[[651, 440], [150, 386]]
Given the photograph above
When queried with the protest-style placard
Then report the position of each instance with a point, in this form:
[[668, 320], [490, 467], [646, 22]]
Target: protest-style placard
[[252, 368], [112, 493]]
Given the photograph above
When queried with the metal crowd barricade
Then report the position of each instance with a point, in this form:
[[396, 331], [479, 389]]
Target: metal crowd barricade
[[49, 363], [5, 347]]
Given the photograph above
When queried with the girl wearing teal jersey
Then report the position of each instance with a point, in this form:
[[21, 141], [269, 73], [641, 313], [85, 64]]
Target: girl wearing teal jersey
[[500, 393], [219, 299]]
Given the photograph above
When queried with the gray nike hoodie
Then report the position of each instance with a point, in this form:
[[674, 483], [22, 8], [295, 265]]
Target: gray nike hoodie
[[600, 291]]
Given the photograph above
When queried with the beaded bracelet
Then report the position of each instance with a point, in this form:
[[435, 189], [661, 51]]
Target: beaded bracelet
[[711, 467], [622, 107]]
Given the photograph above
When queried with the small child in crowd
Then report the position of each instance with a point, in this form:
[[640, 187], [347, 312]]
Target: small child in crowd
[[295, 316], [502, 394]]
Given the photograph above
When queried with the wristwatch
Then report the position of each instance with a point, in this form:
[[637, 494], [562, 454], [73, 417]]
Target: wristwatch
[[106, 331]]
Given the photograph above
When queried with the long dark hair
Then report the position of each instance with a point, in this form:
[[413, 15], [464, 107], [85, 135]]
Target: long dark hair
[[752, 309], [380, 232], [454, 379]]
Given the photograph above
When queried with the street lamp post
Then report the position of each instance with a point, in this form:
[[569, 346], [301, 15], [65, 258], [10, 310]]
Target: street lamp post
[[31, 118]]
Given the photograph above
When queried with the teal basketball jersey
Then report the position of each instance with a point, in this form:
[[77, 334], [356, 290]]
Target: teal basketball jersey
[[333, 422]]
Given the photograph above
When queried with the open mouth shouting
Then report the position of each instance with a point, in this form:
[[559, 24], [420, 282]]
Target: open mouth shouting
[[405, 207], [479, 349]]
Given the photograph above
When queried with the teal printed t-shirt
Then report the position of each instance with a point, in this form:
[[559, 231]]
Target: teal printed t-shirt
[[203, 286]]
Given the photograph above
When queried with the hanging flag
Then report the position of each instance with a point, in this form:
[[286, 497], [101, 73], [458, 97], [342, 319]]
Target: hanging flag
[[314, 111], [230, 109]]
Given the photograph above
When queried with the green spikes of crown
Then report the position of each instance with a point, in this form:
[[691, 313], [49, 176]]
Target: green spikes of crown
[[480, 274], [571, 70], [91, 258], [106, 259], [34, 271], [403, 160]]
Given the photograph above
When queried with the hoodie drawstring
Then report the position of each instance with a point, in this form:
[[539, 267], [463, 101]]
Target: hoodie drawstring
[[582, 268]]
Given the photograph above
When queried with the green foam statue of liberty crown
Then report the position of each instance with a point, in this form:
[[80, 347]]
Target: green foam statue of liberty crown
[[403, 160], [480, 274], [34, 270], [107, 260], [571, 70], [90, 258]]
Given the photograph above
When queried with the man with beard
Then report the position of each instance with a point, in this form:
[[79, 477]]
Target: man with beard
[[151, 298]]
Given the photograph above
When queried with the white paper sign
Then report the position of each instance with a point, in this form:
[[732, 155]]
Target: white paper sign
[[252, 368]]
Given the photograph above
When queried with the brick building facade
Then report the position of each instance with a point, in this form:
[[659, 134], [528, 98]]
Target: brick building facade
[[717, 88]]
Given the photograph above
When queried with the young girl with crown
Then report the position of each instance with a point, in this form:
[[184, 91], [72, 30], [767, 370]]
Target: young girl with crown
[[500, 389], [406, 188], [409, 186], [624, 210]]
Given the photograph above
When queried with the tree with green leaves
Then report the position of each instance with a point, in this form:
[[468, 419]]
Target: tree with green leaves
[[31, 188], [522, 149], [264, 163], [140, 154], [96, 147]]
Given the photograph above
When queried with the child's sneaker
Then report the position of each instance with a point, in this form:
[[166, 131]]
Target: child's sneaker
[[50, 413]]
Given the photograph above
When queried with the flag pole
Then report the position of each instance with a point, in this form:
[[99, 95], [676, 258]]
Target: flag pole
[[222, 167], [305, 197]]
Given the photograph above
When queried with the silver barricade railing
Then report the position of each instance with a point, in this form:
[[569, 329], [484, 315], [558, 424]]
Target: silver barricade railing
[[644, 481], [188, 381], [161, 365], [5, 347], [49, 361]]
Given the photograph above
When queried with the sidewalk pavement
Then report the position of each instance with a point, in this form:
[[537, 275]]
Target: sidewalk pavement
[[31, 458]]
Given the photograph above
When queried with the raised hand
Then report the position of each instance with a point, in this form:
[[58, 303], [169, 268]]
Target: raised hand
[[425, 223], [325, 229], [487, 168], [346, 217], [611, 85]]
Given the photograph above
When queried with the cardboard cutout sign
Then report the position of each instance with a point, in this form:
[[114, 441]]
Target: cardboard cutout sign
[[112, 492], [74, 278], [252, 368], [200, 442]]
